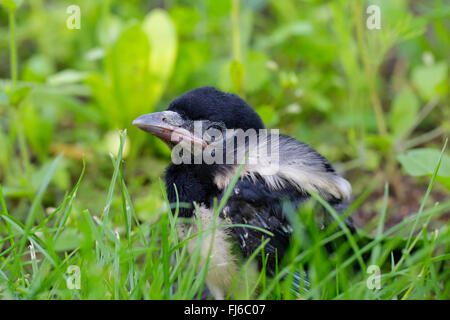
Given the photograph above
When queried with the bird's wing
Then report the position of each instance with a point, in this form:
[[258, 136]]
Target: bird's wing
[[255, 205], [257, 197], [283, 162]]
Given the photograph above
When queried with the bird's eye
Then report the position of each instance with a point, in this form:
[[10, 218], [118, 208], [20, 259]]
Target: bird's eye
[[213, 132]]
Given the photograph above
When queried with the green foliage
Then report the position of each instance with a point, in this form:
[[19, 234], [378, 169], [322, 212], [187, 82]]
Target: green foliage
[[421, 162], [431, 80], [147, 260], [374, 102], [139, 61], [404, 110], [11, 5]]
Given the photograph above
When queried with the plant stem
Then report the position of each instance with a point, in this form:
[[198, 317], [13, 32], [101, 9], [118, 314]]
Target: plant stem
[[14, 78], [13, 47], [236, 68], [430, 135], [237, 52], [368, 72], [422, 114], [22, 143]]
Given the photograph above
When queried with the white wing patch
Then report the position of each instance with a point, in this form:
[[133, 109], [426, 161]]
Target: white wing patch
[[298, 165]]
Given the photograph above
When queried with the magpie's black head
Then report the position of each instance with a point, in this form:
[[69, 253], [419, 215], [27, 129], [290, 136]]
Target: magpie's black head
[[213, 108], [209, 103]]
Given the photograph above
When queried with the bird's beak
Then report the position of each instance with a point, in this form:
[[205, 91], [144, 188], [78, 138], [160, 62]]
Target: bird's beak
[[167, 125]]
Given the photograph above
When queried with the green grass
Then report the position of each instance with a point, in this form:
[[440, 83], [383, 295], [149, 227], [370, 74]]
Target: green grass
[[135, 260], [374, 102]]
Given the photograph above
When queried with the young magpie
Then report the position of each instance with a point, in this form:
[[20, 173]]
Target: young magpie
[[259, 195]]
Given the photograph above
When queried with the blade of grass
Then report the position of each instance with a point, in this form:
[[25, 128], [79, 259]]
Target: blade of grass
[[112, 184], [36, 202], [409, 246], [61, 222], [343, 226]]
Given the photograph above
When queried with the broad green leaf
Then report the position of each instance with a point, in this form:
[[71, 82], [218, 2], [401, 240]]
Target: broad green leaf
[[403, 112], [66, 77], [104, 96], [11, 5], [256, 72], [422, 162], [162, 37], [128, 70], [17, 95], [428, 79], [445, 181], [138, 67]]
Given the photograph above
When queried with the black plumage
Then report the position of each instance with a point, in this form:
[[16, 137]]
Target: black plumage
[[257, 199], [208, 103]]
